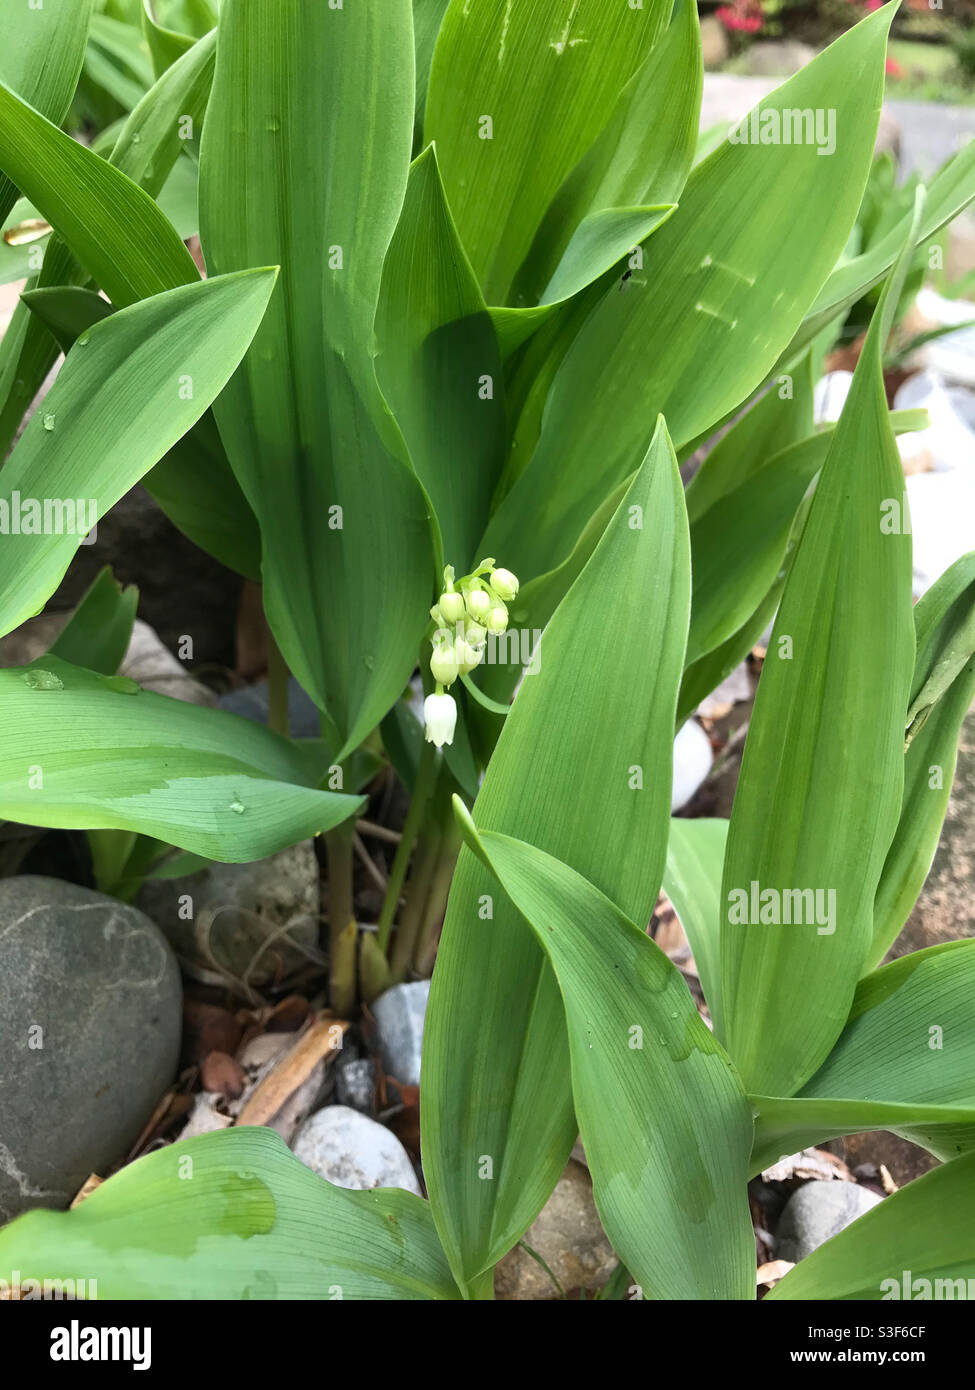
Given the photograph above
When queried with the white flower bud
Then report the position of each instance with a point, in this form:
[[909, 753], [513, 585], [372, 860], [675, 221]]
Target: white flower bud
[[452, 607], [440, 718], [467, 657], [478, 604], [473, 633], [443, 664], [497, 619], [504, 584]]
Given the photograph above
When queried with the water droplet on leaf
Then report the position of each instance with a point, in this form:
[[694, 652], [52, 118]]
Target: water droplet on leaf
[[49, 422], [42, 680]]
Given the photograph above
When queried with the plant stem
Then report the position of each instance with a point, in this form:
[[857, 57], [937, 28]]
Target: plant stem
[[425, 774], [436, 902], [418, 888], [342, 929], [278, 676]]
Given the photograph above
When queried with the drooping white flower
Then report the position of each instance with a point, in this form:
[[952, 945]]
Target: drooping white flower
[[440, 718]]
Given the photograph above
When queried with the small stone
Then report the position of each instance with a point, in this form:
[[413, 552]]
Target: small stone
[[355, 1085], [714, 42], [815, 1213], [253, 702], [776, 58], [90, 1000], [569, 1238], [350, 1150], [399, 1015], [693, 757], [229, 917]]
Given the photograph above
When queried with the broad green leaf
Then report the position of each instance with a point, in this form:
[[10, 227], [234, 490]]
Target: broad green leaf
[[942, 693], [166, 46], [905, 1061], [944, 620], [664, 1120], [725, 282], [83, 751], [776, 420], [692, 882], [427, 19], [786, 1125], [518, 93], [233, 1215], [111, 225], [823, 768], [642, 156], [439, 365], [738, 546], [348, 557], [98, 632], [193, 484], [43, 49], [594, 726], [117, 406], [925, 1232], [146, 149], [951, 190]]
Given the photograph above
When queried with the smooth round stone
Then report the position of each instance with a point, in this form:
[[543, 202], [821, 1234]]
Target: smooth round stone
[[350, 1150], [90, 1017]]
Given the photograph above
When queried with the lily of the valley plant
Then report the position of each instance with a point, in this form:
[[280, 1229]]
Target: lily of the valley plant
[[474, 291]]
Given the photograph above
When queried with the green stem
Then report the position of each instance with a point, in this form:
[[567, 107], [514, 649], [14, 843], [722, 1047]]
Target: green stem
[[342, 929], [278, 677], [436, 903], [425, 774], [417, 891]]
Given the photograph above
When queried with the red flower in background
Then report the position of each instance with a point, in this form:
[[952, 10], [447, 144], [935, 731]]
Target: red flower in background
[[743, 16]]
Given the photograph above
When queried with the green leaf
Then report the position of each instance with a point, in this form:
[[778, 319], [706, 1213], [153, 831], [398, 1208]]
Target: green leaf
[[547, 73], [496, 1077], [692, 882], [166, 46], [726, 281], [951, 190], [115, 409], [84, 751], [942, 693], [111, 225], [348, 559], [228, 1216], [778, 419], [193, 484], [438, 355], [665, 1123], [738, 546], [427, 19], [905, 1061], [641, 157], [43, 50], [924, 1231], [98, 632], [822, 774]]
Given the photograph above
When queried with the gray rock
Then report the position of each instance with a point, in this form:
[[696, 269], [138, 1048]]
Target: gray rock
[[399, 1015], [568, 1237], [816, 1212], [355, 1085], [350, 1150], [776, 57], [90, 1016], [229, 917], [253, 702]]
